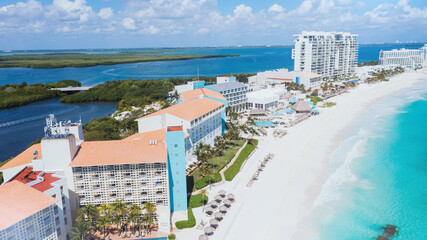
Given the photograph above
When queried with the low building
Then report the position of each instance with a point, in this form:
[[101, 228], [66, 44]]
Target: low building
[[224, 79], [279, 76], [262, 99], [234, 92], [179, 89], [367, 71], [409, 58], [301, 107], [27, 213]]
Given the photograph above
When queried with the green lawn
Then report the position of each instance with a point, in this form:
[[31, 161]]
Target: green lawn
[[196, 201], [191, 222], [328, 104], [231, 171], [217, 163]]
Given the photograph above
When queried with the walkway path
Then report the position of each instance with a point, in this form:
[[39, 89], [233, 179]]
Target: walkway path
[[223, 170]]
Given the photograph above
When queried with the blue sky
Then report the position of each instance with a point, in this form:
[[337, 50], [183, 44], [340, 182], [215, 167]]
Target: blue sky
[[59, 24]]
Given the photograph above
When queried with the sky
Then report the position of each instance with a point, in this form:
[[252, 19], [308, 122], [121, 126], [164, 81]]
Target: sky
[[68, 24]]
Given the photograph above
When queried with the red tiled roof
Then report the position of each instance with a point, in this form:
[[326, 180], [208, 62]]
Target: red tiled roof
[[28, 175], [174, 128]]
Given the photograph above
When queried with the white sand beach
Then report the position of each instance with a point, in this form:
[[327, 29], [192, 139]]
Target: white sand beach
[[275, 206]]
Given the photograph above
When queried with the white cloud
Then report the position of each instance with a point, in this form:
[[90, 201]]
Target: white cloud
[[305, 6], [325, 6], [203, 31], [129, 23], [106, 13], [276, 8], [242, 11], [153, 30]]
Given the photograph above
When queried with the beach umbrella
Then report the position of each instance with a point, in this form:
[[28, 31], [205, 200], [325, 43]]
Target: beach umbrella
[[218, 198], [208, 230], [230, 196], [227, 202], [209, 209], [203, 237], [222, 193], [218, 215], [223, 208], [213, 203], [213, 222]]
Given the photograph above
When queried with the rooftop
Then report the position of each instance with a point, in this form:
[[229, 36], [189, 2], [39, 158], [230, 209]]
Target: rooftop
[[189, 110], [308, 74], [27, 175], [24, 158], [138, 148], [193, 94], [226, 86], [20, 201]]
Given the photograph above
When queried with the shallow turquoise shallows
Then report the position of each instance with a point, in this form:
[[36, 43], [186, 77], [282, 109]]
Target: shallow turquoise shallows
[[388, 183]]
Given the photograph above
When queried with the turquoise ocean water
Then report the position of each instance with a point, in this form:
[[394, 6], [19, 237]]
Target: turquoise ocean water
[[381, 173]]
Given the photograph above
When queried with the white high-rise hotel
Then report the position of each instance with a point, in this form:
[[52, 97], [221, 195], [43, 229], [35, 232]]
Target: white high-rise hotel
[[330, 54]]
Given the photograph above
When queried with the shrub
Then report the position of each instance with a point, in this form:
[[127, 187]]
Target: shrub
[[171, 236], [191, 222], [231, 172], [203, 182], [197, 201]]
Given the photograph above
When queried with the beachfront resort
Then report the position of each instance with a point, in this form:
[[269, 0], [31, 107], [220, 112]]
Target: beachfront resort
[[190, 165]]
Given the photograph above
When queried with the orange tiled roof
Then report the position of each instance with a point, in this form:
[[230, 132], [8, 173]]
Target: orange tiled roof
[[23, 158], [189, 110], [20, 201], [193, 94], [134, 149], [28, 175]]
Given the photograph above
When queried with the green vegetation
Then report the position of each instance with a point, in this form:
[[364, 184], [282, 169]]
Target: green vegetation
[[87, 60], [200, 177], [171, 236], [197, 200], [231, 172], [315, 99], [14, 95], [127, 93], [114, 218], [383, 74], [191, 222], [370, 63], [39, 140], [328, 104]]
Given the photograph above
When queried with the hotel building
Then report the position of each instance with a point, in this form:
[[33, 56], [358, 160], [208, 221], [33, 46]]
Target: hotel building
[[409, 58], [201, 116], [279, 76], [234, 92], [27, 213], [329, 54]]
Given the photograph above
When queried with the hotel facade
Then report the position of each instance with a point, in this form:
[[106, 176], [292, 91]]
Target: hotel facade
[[147, 166], [409, 58], [329, 54]]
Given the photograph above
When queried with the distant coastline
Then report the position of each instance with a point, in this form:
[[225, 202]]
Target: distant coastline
[[79, 60]]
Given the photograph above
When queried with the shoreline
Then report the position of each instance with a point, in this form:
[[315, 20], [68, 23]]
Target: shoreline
[[277, 205]]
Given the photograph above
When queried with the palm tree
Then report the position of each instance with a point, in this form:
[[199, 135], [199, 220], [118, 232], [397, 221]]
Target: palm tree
[[103, 222], [117, 220], [82, 230], [120, 208], [133, 219], [104, 209], [90, 212], [134, 212], [150, 209], [203, 192]]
